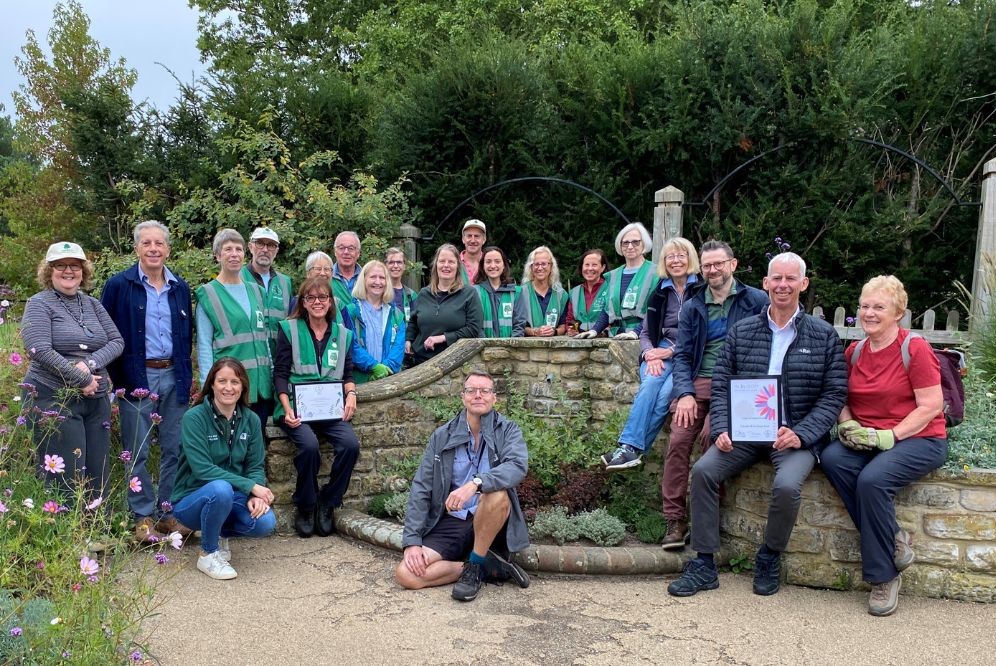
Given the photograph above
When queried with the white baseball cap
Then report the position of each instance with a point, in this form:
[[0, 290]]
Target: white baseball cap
[[64, 250], [265, 233], [470, 224]]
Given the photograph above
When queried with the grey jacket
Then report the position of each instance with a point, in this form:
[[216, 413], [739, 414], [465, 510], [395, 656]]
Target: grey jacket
[[509, 459]]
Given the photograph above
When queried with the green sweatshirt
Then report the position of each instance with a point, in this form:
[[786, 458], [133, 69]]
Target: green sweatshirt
[[205, 453]]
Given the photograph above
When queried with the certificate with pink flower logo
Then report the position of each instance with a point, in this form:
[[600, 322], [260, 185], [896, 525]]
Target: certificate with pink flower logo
[[755, 408]]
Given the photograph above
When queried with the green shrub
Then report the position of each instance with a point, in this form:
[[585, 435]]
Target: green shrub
[[376, 505], [396, 505], [649, 527], [973, 442], [556, 524], [601, 527]]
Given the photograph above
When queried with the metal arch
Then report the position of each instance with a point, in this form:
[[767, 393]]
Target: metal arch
[[511, 181], [871, 142]]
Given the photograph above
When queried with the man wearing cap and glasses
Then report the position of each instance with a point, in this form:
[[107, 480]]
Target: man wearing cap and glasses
[[264, 244], [463, 500], [475, 234], [150, 306]]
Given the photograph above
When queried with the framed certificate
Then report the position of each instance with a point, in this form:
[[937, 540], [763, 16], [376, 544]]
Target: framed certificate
[[755, 408], [318, 401]]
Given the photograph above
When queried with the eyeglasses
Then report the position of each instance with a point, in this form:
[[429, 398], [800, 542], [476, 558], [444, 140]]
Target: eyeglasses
[[541, 264], [62, 268], [321, 270], [878, 309], [310, 298], [265, 245], [674, 257], [396, 262], [715, 266], [477, 391], [347, 248], [631, 243]]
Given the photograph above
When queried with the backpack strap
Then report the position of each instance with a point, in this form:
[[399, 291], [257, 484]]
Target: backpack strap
[[904, 350]]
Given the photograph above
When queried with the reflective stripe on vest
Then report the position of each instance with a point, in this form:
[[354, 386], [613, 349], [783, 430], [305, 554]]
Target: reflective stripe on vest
[[304, 360], [555, 306], [630, 317], [582, 314], [506, 307]]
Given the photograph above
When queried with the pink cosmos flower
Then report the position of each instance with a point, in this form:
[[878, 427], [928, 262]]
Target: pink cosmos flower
[[89, 567], [15, 358], [54, 464], [94, 504], [51, 507], [175, 540], [135, 485]]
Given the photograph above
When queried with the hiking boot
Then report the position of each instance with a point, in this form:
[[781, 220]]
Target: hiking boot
[[500, 570], [224, 549], [304, 522], [471, 580], [677, 535], [325, 520], [215, 566], [169, 524], [884, 597], [904, 555], [145, 531], [767, 573], [624, 457], [697, 575]]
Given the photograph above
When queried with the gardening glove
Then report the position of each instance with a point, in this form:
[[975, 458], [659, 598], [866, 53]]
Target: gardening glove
[[379, 371], [584, 335], [846, 428], [870, 439], [628, 335]]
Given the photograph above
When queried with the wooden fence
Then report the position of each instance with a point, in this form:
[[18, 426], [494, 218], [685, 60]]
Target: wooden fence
[[950, 335]]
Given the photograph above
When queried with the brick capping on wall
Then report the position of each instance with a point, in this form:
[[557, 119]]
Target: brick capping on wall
[[951, 515]]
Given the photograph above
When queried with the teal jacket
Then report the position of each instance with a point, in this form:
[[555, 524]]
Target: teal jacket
[[205, 454]]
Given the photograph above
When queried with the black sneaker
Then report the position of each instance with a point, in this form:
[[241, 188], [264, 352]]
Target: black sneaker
[[499, 570], [471, 580], [767, 573], [697, 575], [624, 457]]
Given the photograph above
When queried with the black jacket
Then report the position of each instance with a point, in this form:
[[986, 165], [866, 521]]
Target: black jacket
[[814, 375]]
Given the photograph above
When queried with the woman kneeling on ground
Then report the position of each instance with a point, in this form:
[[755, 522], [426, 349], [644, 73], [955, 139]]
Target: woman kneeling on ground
[[891, 434], [220, 484]]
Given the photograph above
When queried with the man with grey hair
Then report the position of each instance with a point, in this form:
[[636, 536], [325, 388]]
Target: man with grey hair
[[150, 306], [805, 353], [345, 271], [264, 244]]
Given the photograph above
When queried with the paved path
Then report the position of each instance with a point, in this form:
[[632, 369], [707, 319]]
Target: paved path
[[334, 601]]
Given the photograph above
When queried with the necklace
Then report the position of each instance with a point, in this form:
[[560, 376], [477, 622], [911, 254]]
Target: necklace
[[79, 320]]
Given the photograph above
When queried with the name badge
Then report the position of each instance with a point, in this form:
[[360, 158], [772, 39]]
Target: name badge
[[332, 354], [408, 313], [551, 318], [506, 310], [629, 299], [260, 323]]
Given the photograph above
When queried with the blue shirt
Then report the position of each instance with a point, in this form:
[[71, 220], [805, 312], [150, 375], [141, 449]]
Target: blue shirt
[[467, 464], [374, 321], [158, 323], [350, 282]]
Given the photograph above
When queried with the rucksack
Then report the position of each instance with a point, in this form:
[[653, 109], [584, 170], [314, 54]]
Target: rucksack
[[953, 368]]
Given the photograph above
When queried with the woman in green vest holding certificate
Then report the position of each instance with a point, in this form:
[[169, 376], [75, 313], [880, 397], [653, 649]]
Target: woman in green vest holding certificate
[[627, 288], [505, 314], [231, 321], [546, 301], [313, 354]]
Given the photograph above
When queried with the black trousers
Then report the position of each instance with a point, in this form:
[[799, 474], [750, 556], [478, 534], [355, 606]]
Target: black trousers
[[308, 461]]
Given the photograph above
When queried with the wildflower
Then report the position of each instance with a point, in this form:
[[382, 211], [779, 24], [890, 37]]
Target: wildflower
[[166, 506], [4, 303], [136, 655], [55, 620], [15, 358], [93, 579], [54, 464], [161, 558], [76, 587], [106, 425], [153, 397], [849, 321], [51, 507], [66, 654], [135, 485], [40, 565], [16, 631], [8, 491], [119, 393], [89, 567], [125, 456], [140, 393], [28, 503], [175, 540], [17, 398], [786, 246], [94, 504], [21, 420], [3, 508], [156, 418], [778, 240]]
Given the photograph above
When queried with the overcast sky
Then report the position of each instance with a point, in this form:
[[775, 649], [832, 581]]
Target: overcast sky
[[143, 32]]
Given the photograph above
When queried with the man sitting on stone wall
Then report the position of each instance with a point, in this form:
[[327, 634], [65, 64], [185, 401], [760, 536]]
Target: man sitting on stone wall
[[807, 355], [463, 500]]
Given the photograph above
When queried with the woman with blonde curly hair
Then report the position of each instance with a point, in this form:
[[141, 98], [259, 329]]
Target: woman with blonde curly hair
[[545, 298]]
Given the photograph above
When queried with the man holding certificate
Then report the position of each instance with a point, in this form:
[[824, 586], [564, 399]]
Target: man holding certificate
[[785, 367], [313, 378]]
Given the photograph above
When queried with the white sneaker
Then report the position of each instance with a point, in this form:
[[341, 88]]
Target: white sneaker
[[224, 549], [215, 566]]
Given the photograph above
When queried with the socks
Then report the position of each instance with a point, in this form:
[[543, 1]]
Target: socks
[[707, 558], [767, 551], [477, 559]]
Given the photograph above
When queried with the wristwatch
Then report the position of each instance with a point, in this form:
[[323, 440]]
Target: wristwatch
[[479, 482]]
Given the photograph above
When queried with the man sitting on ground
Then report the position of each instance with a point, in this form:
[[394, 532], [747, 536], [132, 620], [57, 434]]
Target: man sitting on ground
[[463, 500]]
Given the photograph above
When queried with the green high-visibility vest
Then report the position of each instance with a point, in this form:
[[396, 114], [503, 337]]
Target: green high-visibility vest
[[395, 319], [630, 308], [276, 300], [243, 337], [505, 301], [304, 363], [586, 317], [554, 310]]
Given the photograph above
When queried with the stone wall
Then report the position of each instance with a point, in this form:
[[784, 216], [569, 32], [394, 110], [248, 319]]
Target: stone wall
[[952, 517]]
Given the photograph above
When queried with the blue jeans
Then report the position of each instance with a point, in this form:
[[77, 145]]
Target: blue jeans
[[650, 408], [218, 510], [136, 426]]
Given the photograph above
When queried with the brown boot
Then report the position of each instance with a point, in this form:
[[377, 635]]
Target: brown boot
[[168, 524], [677, 535], [145, 531]]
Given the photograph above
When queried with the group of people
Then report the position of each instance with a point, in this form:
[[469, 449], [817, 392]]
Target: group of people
[[258, 339]]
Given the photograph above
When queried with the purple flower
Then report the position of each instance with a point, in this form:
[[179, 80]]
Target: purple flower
[[849, 321], [106, 425], [166, 506], [21, 420], [153, 397], [778, 239], [66, 654], [786, 246], [40, 565], [15, 358], [119, 393], [93, 579], [8, 491], [125, 456], [136, 655], [140, 393], [16, 631], [156, 418], [161, 558]]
